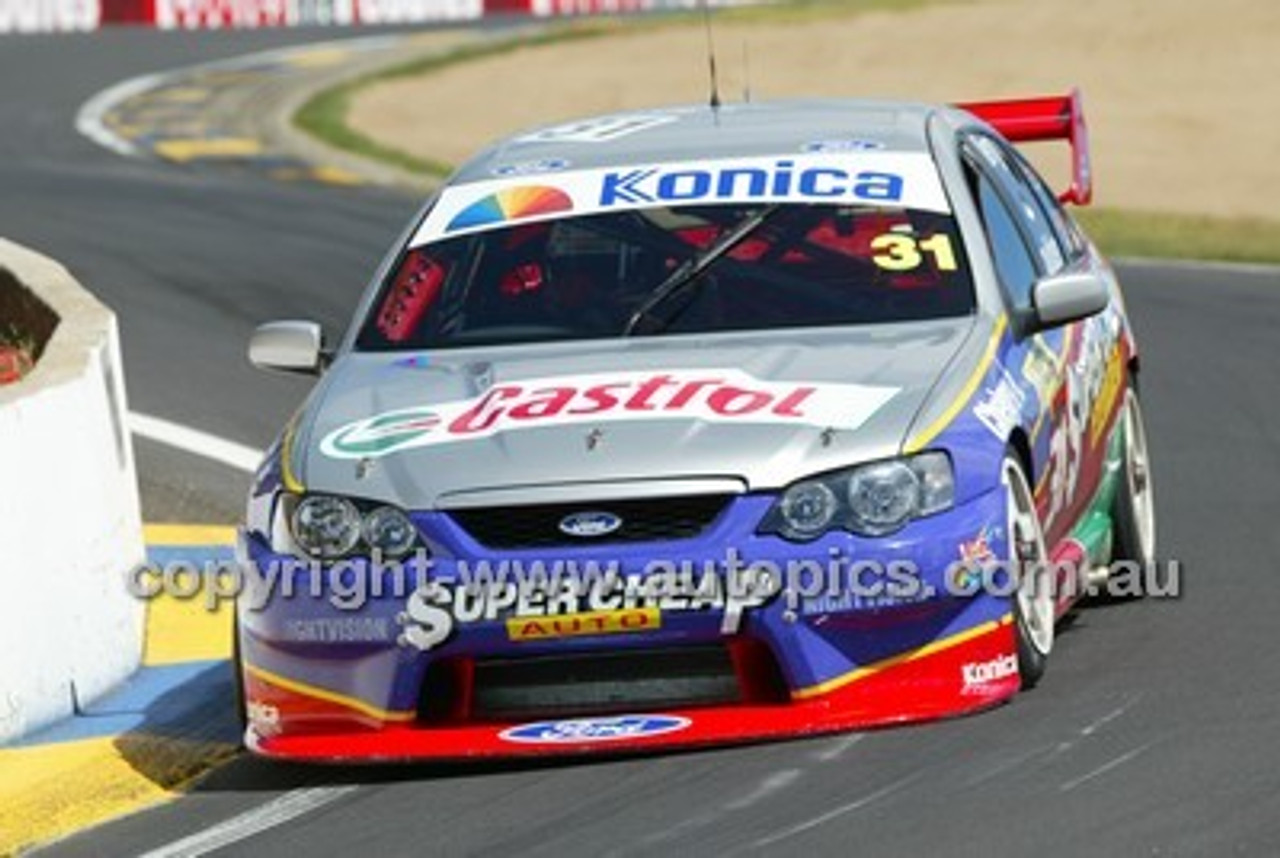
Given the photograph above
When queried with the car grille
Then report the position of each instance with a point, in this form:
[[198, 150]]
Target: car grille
[[462, 689], [596, 683], [643, 520], [602, 683]]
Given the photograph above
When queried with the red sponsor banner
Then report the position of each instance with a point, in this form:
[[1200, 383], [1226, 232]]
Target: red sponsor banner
[[547, 8], [44, 16], [128, 12], [589, 7], [415, 11], [218, 14], [252, 14]]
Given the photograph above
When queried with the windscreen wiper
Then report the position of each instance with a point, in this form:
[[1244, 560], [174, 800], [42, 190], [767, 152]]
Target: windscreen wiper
[[690, 273]]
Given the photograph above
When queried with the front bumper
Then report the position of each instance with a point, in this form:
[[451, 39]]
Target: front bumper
[[332, 677]]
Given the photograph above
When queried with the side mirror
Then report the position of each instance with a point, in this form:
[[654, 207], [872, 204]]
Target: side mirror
[[1064, 298], [292, 346]]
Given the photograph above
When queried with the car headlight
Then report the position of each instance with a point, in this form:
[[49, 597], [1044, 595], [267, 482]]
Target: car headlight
[[872, 499], [809, 508], [389, 531], [328, 527]]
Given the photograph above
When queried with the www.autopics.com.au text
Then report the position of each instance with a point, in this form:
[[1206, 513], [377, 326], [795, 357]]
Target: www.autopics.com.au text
[[492, 588]]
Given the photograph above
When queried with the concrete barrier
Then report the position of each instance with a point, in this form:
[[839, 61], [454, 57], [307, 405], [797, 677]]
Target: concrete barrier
[[70, 526]]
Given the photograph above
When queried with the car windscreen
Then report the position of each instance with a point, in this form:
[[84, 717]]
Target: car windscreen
[[673, 270]]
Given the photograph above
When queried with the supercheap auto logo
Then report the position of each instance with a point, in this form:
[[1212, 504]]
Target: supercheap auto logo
[[713, 395], [591, 605]]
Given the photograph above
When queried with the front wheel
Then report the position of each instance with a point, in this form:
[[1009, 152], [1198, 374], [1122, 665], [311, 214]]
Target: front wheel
[[1033, 603], [1134, 510], [238, 698]]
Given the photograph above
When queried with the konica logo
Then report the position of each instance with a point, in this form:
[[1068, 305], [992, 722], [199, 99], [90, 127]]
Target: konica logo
[[587, 730], [779, 181]]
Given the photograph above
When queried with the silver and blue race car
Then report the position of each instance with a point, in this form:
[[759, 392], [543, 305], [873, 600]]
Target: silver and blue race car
[[699, 425]]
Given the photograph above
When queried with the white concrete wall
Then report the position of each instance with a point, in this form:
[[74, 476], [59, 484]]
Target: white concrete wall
[[70, 527]]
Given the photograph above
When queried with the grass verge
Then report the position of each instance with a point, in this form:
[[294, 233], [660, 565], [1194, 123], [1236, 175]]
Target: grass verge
[[1118, 232], [1174, 236], [324, 116]]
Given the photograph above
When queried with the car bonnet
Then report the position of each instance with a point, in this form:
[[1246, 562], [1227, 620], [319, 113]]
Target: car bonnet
[[435, 430]]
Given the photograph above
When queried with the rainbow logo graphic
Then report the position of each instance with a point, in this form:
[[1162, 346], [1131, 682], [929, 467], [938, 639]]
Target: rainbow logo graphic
[[511, 204]]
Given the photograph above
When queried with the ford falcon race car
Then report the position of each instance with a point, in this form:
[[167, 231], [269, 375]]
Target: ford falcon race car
[[699, 425]]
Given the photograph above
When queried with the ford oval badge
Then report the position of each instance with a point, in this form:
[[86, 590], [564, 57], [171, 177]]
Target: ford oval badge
[[587, 525], [581, 731]]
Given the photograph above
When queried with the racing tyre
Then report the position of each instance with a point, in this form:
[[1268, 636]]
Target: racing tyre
[[1133, 512], [237, 680], [1033, 602]]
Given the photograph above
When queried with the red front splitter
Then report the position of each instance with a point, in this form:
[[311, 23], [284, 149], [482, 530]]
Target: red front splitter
[[971, 671]]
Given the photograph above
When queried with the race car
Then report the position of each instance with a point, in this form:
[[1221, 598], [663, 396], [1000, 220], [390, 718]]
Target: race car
[[699, 425]]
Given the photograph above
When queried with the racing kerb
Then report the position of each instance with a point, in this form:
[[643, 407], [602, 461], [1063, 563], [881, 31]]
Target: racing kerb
[[70, 526]]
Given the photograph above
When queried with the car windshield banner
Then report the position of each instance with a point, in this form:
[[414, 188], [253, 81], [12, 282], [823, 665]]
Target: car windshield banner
[[893, 179]]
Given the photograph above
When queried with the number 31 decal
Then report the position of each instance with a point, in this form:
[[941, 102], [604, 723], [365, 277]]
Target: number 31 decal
[[899, 252]]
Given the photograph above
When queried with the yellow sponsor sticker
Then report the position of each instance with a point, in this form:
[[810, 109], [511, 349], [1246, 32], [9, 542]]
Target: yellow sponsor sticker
[[587, 623], [1107, 395]]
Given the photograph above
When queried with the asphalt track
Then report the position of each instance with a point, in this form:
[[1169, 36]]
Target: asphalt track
[[190, 260], [1156, 731]]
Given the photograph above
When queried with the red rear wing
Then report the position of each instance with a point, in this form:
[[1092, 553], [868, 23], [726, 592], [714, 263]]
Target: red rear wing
[[1056, 117]]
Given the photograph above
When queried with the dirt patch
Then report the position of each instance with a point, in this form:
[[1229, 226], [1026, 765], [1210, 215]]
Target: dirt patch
[[1180, 94]]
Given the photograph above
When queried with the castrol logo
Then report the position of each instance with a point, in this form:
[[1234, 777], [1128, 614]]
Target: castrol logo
[[722, 396]]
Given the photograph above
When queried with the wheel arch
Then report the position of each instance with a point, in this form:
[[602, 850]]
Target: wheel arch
[[1020, 443]]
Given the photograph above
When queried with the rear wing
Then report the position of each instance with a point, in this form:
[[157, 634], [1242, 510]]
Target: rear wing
[[1056, 117]]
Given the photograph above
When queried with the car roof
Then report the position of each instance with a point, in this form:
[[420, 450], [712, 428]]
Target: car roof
[[699, 132]]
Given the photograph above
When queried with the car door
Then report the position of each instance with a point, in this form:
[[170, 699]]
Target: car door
[[1064, 369]]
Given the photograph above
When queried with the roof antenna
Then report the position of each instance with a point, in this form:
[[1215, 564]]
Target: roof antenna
[[746, 73], [711, 56]]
